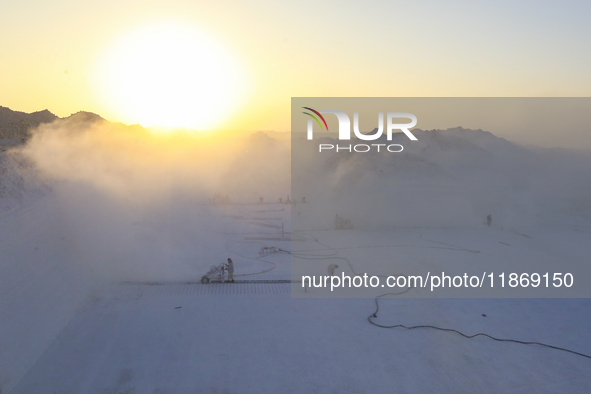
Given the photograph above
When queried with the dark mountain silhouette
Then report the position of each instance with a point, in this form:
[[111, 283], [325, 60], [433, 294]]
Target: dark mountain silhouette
[[15, 126]]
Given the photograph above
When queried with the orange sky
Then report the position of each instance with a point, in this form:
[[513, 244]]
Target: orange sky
[[50, 51]]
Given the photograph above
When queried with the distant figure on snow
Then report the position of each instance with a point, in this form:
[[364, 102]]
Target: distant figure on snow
[[488, 220], [331, 269], [230, 270], [260, 200]]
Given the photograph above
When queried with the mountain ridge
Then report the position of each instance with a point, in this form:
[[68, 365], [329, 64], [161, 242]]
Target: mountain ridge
[[15, 126]]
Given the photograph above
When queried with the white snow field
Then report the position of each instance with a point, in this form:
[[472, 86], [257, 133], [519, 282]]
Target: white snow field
[[106, 233], [67, 329]]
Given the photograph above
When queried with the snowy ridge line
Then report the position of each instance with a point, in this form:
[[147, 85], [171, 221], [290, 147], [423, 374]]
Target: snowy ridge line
[[139, 290]]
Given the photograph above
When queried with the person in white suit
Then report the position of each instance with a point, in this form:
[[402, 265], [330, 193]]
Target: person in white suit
[[230, 270]]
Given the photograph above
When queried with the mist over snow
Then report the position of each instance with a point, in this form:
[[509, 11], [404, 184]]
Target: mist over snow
[[126, 193], [447, 178], [85, 202], [135, 204]]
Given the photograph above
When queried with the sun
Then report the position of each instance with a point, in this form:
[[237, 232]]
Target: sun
[[170, 75]]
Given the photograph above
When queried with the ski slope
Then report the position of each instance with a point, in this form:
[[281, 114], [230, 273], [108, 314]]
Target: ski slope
[[68, 330]]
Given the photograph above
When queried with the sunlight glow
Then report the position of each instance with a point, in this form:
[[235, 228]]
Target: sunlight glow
[[171, 75]]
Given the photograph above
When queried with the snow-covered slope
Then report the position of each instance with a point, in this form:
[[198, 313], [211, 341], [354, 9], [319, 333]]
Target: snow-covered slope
[[92, 214], [453, 177], [20, 181]]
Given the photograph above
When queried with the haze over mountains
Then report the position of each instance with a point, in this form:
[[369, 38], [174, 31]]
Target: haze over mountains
[[135, 163], [15, 126], [453, 177], [85, 202], [18, 180], [448, 177]]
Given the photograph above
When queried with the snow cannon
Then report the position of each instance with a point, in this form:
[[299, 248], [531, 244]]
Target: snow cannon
[[217, 273]]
